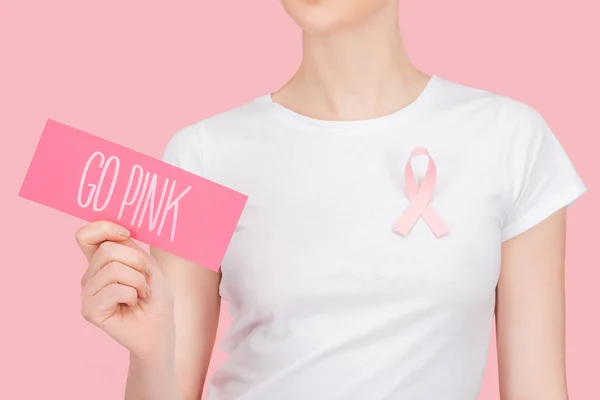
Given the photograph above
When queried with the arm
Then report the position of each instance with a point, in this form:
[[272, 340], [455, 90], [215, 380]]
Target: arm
[[183, 364], [530, 313]]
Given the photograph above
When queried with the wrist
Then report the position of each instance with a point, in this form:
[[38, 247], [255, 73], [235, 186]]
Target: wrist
[[159, 351], [159, 357], [156, 347]]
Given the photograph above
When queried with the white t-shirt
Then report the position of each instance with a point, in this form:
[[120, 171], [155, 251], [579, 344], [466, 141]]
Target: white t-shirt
[[327, 301]]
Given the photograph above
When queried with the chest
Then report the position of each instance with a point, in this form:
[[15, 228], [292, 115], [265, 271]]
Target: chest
[[318, 226]]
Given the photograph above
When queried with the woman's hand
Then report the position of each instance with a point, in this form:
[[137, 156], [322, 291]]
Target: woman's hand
[[124, 292]]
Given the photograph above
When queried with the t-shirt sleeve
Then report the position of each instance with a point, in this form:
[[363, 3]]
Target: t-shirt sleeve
[[184, 149], [542, 178]]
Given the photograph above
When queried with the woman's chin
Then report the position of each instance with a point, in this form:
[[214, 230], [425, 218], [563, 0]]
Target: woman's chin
[[330, 15]]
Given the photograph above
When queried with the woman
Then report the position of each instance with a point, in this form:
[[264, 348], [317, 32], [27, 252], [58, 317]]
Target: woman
[[346, 278]]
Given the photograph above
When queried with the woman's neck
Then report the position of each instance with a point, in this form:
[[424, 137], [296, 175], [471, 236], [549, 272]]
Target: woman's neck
[[354, 73]]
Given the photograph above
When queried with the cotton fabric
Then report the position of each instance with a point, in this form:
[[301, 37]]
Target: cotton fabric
[[326, 300]]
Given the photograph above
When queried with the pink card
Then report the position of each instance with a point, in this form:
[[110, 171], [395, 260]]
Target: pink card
[[162, 205]]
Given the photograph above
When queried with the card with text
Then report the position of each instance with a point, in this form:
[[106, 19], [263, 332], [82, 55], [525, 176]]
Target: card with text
[[162, 205]]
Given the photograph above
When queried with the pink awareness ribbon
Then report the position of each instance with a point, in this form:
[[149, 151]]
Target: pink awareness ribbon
[[419, 197]]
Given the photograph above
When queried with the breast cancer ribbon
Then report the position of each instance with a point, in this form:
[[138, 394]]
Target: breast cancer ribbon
[[419, 197]]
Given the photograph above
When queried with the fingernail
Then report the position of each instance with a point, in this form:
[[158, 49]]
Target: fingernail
[[123, 232], [147, 291], [148, 271]]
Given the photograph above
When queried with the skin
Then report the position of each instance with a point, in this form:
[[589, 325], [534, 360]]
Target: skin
[[354, 67], [530, 313]]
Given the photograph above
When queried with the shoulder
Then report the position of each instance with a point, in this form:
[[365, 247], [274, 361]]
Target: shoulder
[[244, 113], [470, 96], [522, 120], [509, 111], [185, 146], [495, 118]]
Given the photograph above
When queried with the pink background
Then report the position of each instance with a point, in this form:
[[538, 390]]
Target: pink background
[[136, 71]]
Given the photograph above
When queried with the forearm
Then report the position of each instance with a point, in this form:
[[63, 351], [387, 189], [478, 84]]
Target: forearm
[[153, 379]]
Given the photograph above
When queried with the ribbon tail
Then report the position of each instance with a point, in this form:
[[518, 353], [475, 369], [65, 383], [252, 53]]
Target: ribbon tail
[[435, 222], [407, 220]]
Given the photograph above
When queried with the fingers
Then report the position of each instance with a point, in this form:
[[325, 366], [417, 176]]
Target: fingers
[[117, 273], [90, 236], [108, 252], [97, 309]]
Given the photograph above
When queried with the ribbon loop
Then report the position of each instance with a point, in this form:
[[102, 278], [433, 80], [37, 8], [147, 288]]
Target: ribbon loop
[[419, 197]]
